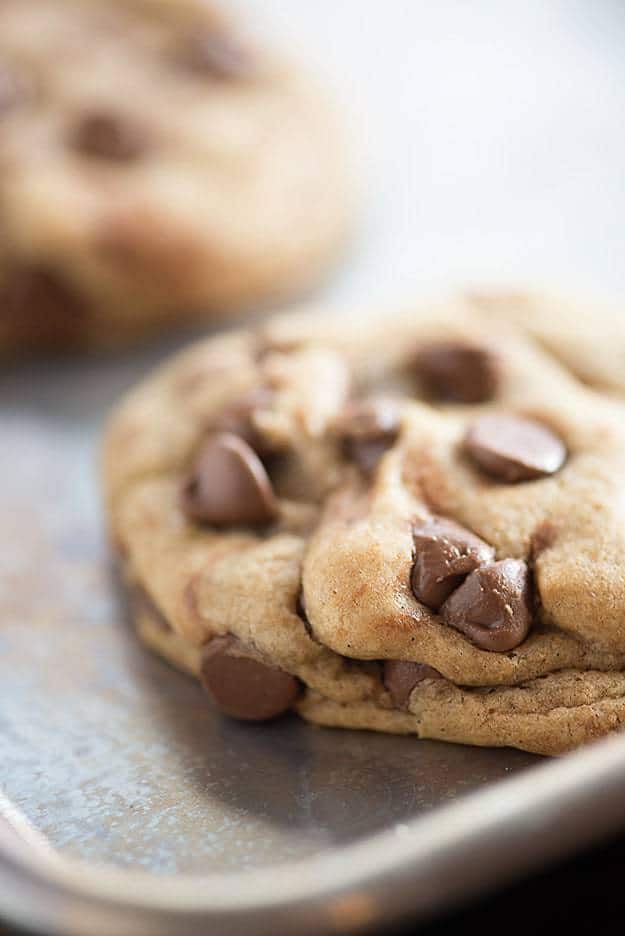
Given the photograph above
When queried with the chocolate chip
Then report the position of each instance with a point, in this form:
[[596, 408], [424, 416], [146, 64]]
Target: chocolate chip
[[457, 371], [364, 419], [401, 676], [109, 136], [228, 485], [243, 686], [16, 87], [445, 553], [237, 418], [41, 308], [216, 55], [367, 428], [367, 454], [513, 449], [493, 606]]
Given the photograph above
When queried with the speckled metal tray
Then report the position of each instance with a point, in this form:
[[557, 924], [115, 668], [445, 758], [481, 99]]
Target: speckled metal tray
[[130, 804]]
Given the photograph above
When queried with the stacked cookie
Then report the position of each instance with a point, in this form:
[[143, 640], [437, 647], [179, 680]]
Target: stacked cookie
[[405, 522], [155, 168]]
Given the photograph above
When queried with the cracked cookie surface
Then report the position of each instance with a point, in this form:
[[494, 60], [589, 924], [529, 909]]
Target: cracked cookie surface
[[157, 166], [373, 542]]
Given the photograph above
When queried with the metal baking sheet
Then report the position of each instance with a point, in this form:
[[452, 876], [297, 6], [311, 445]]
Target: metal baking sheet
[[110, 757]]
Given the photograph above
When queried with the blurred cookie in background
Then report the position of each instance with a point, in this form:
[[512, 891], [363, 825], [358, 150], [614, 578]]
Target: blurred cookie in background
[[156, 167]]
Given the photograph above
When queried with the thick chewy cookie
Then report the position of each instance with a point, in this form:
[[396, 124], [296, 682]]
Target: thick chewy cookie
[[155, 166], [409, 523]]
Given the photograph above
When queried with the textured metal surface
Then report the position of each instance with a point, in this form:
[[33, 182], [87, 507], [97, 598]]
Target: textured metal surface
[[477, 843], [109, 752]]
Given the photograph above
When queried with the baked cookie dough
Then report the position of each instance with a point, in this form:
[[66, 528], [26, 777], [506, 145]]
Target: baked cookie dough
[[573, 330], [156, 166], [406, 522]]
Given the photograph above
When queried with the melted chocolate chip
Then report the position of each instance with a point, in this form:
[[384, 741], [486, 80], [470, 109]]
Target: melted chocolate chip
[[401, 676], [216, 55], [41, 308], [367, 453], [458, 372], [445, 553], [368, 428], [243, 686], [109, 136], [364, 419], [513, 449], [493, 606], [228, 485]]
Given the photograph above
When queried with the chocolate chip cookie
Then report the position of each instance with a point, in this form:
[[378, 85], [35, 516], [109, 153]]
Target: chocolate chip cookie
[[156, 166], [408, 523]]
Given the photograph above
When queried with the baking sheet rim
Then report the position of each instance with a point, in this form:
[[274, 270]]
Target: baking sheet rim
[[488, 837]]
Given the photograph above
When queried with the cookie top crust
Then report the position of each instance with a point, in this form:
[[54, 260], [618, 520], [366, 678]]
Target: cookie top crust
[[156, 163], [587, 336], [373, 510]]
